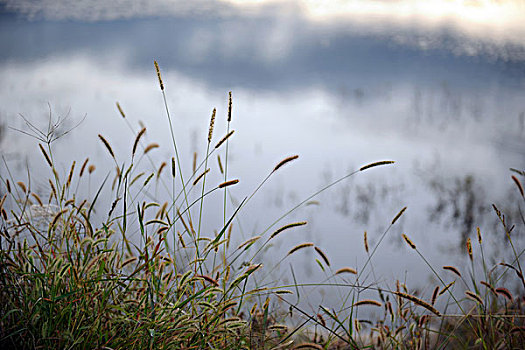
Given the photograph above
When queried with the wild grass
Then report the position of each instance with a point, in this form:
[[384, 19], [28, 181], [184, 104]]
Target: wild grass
[[72, 276]]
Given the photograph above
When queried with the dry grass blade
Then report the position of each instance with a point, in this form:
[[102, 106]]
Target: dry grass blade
[[48, 160], [284, 161], [106, 143], [286, 227], [300, 246], [372, 165], [398, 215], [137, 139], [346, 270], [452, 269], [419, 302], [408, 241], [228, 183], [322, 255], [368, 302]]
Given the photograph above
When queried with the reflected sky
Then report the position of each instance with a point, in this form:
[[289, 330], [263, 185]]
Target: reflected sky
[[441, 92]]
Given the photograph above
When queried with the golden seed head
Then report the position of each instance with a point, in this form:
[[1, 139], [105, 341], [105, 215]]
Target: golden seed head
[[230, 107], [200, 176], [46, 156], [284, 161], [106, 143], [83, 167], [383, 162], [469, 248], [158, 75], [409, 242], [346, 270], [518, 184], [212, 122], [368, 302], [150, 147], [399, 215], [300, 246], [120, 110], [479, 235], [286, 227], [224, 139], [452, 269], [228, 183], [322, 255], [220, 164], [137, 139], [91, 168]]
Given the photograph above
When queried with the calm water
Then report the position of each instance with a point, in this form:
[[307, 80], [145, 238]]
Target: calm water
[[446, 104]]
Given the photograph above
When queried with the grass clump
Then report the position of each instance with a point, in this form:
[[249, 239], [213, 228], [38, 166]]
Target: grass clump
[[145, 274]]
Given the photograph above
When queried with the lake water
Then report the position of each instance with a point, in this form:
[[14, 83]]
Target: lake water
[[442, 96]]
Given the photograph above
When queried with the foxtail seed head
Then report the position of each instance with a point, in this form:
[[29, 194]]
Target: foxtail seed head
[[158, 75], [212, 122], [230, 107]]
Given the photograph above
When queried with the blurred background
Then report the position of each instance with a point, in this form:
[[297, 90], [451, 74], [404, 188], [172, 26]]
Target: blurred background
[[437, 85]]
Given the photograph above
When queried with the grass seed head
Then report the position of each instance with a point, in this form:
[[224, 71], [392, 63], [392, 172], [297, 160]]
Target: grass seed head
[[108, 147], [46, 156], [452, 269], [230, 107], [120, 110], [346, 270], [300, 246], [284, 161], [158, 75], [212, 122], [408, 241]]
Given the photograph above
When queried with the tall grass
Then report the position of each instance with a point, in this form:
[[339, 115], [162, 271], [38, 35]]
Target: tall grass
[[143, 274]]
